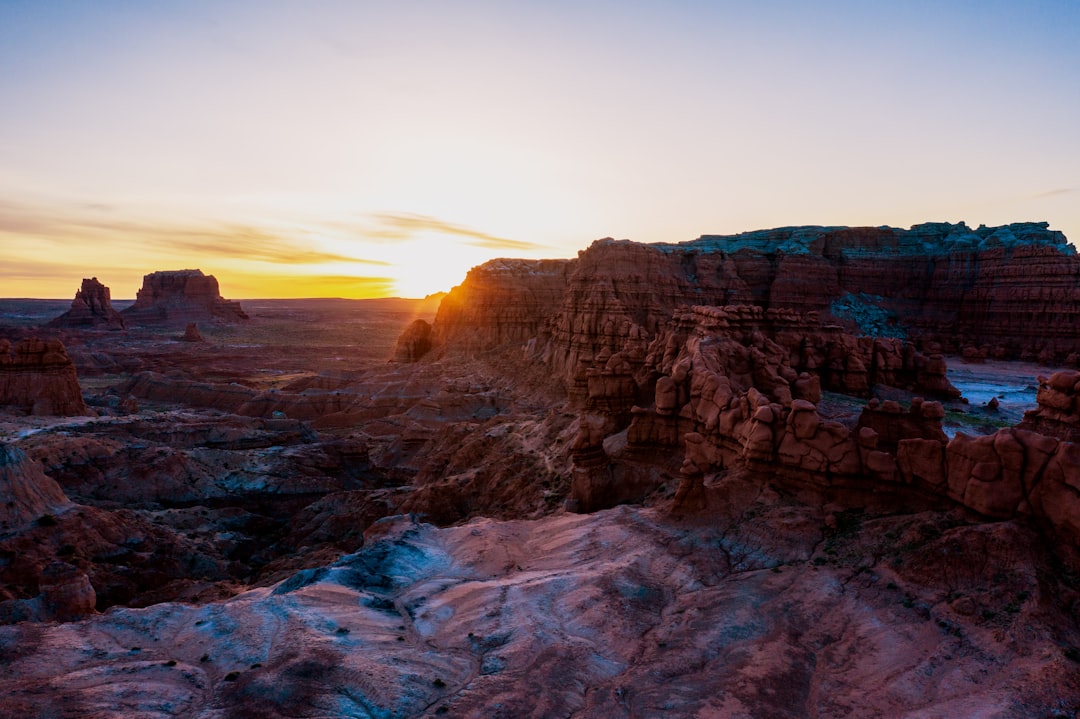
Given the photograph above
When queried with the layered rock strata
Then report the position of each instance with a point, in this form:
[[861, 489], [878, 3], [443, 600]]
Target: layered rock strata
[[181, 296], [1009, 291], [92, 307], [37, 377]]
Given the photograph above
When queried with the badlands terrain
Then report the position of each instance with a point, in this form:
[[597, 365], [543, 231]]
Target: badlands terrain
[[804, 472]]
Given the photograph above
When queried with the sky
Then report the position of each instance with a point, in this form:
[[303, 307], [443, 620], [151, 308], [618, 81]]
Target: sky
[[356, 149]]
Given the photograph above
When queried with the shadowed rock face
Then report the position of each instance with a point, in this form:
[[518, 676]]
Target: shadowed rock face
[[37, 377], [179, 297], [26, 491], [92, 307]]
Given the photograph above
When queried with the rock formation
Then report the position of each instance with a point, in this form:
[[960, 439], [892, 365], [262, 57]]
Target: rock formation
[[414, 343], [66, 592], [92, 307], [181, 296], [1058, 411], [27, 492], [1011, 291], [712, 355], [191, 333], [37, 377]]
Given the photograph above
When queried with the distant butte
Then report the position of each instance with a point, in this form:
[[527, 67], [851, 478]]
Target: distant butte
[[92, 307], [180, 297]]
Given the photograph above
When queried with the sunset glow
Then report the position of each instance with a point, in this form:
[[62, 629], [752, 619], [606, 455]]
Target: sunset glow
[[361, 149]]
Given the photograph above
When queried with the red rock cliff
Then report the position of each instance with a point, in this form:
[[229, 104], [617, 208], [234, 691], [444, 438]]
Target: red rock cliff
[[1012, 290]]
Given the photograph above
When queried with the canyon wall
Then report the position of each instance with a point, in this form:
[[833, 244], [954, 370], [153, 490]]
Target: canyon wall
[[1010, 292]]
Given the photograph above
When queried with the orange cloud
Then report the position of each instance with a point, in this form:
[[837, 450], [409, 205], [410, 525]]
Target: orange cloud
[[399, 227]]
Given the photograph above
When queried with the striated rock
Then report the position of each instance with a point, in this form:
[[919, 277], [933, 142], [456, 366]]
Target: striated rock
[[157, 387], [181, 296], [92, 307], [1011, 289], [37, 377], [502, 301], [27, 492]]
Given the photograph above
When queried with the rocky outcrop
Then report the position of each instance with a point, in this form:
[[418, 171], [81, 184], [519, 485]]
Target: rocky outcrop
[[28, 493], [191, 333], [37, 377], [1009, 291], [738, 386], [502, 302], [1058, 411], [414, 343], [179, 297], [66, 592], [92, 307]]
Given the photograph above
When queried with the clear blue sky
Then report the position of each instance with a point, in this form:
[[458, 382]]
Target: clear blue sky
[[359, 148]]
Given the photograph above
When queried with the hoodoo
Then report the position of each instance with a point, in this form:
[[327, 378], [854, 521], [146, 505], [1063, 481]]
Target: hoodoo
[[92, 307]]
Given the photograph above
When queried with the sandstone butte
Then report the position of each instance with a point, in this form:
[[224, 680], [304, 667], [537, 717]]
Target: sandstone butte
[[92, 308], [179, 297], [37, 377]]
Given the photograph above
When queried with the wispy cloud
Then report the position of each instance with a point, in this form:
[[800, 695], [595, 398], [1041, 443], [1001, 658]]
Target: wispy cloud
[[403, 226], [1054, 193], [222, 240], [249, 243], [34, 269]]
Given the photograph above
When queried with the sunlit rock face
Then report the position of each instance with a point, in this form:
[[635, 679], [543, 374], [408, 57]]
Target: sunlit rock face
[[37, 377], [502, 301], [91, 308], [179, 297], [1011, 290]]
